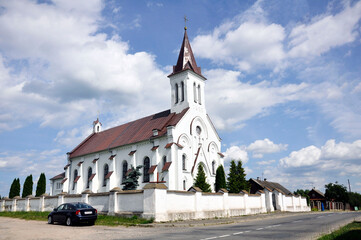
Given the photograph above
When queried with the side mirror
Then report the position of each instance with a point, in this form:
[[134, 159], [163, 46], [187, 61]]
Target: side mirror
[[55, 209]]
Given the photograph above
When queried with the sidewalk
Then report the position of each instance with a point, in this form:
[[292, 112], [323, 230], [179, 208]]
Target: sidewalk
[[219, 221]]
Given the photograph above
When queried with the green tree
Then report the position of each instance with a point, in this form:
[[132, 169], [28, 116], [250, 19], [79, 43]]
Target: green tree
[[336, 192], [220, 178], [28, 186], [12, 189], [237, 178], [354, 199], [303, 193], [15, 188], [131, 179], [200, 180], [41, 185]]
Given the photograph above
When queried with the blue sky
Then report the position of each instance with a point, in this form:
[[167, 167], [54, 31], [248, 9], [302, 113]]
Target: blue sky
[[283, 88]]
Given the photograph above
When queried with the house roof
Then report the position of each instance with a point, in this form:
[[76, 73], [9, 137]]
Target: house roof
[[59, 176], [272, 186], [317, 191], [186, 60], [128, 133]]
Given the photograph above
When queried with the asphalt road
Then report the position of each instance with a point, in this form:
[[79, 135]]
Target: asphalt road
[[300, 226], [263, 226]]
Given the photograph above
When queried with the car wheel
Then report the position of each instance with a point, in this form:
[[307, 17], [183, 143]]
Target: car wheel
[[50, 220], [68, 221]]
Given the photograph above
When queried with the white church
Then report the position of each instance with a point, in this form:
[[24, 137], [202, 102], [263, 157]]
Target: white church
[[169, 145]]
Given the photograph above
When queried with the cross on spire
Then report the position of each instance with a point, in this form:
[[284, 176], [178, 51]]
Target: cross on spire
[[185, 22]]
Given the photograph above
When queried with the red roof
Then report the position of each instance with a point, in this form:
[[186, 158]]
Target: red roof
[[59, 176], [152, 168], [76, 179], [108, 175], [166, 166], [91, 177], [64, 180], [128, 133]]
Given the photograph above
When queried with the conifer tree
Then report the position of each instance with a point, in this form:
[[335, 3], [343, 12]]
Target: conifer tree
[[131, 180], [17, 187], [237, 178], [200, 180], [41, 185], [12, 189], [220, 178], [28, 186]]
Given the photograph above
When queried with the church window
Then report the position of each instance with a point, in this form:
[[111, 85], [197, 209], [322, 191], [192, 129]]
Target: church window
[[124, 170], [176, 93], [106, 171], [146, 167], [184, 158], [97, 128], [194, 92], [184, 184], [198, 130], [213, 167], [164, 160], [199, 95], [75, 176], [58, 185], [90, 172], [182, 91]]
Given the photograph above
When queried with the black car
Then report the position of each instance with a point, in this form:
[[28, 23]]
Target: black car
[[71, 213]]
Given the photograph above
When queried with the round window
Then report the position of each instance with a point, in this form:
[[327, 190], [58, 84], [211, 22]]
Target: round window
[[198, 130]]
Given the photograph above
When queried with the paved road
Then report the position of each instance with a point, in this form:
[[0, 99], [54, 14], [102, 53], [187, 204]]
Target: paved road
[[268, 226]]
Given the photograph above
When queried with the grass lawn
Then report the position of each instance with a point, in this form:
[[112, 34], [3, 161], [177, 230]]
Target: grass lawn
[[350, 231], [102, 219]]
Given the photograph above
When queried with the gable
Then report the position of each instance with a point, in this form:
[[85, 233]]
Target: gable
[[128, 133]]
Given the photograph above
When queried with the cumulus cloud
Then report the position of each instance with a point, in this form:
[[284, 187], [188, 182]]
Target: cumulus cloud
[[231, 101], [69, 66], [236, 153], [260, 147], [345, 157], [325, 32]]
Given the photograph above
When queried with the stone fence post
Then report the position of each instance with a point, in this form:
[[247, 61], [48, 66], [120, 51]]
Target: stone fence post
[[61, 198], [13, 209], [155, 202], [2, 206], [113, 201]]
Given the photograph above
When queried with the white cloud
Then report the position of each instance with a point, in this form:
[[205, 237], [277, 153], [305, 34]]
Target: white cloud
[[245, 45], [266, 162], [235, 153], [69, 67], [304, 157], [342, 150], [230, 101], [260, 147], [325, 32]]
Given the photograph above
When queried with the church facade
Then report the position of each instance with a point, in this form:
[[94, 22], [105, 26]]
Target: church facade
[[169, 145]]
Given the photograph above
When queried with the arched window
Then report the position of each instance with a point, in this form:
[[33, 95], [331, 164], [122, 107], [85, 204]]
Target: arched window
[[194, 92], [184, 184], [213, 167], [124, 170], [75, 176], [164, 160], [182, 91], [106, 171], [98, 128], [199, 94], [184, 158], [90, 172], [146, 169], [176, 93]]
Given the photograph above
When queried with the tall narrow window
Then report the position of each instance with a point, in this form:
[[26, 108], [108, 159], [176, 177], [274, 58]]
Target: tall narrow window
[[182, 91], [184, 158], [199, 94], [164, 160], [213, 167], [194, 92], [184, 184], [176, 93], [90, 172], [75, 176], [106, 171], [146, 167], [124, 170]]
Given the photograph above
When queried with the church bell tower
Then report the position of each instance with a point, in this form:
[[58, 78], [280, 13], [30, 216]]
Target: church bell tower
[[187, 81]]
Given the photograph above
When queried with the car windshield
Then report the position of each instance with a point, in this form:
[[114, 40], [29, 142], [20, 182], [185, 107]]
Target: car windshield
[[82, 205]]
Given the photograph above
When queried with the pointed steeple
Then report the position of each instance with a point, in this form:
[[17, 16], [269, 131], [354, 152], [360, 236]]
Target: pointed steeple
[[186, 58]]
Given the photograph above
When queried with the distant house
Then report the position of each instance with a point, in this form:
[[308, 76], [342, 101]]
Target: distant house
[[277, 196], [319, 201]]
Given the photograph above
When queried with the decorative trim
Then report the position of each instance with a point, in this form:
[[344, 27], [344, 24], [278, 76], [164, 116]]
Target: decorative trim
[[112, 156], [95, 160], [132, 153], [80, 163]]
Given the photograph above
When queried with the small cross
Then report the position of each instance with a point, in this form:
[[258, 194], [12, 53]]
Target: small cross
[[185, 22]]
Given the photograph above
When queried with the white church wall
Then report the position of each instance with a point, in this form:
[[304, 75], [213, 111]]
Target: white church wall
[[130, 201], [50, 202], [21, 205], [100, 201], [34, 204]]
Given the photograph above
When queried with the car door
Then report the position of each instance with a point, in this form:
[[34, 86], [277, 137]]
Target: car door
[[63, 213], [57, 212]]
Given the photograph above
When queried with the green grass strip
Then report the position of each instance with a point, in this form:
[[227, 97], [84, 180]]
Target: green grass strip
[[102, 219], [350, 231]]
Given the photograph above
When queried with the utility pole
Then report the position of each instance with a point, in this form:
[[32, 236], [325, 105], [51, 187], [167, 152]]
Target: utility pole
[[349, 185]]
